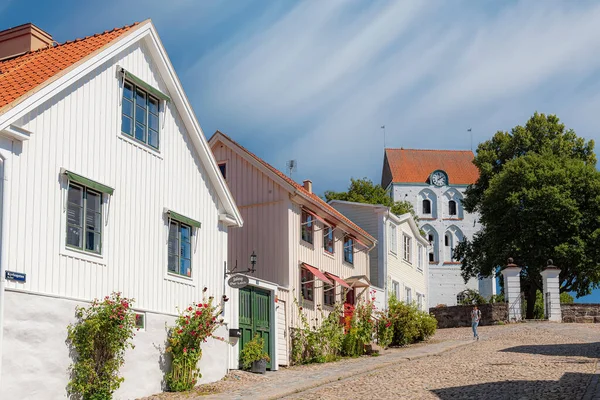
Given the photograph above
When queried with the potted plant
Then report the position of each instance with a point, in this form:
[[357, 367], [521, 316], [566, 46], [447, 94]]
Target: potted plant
[[253, 356]]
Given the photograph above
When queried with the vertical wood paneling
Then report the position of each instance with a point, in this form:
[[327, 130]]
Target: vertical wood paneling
[[79, 129]]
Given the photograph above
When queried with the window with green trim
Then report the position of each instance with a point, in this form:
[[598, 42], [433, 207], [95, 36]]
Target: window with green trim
[[180, 249], [84, 219], [139, 118]]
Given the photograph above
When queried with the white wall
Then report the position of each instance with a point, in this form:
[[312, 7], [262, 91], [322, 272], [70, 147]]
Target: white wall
[[445, 280], [34, 344], [79, 129]]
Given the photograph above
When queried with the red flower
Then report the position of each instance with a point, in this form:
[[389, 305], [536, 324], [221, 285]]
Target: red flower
[[185, 350], [205, 305], [198, 313], [190, 309], [214, 318], [121, 326]]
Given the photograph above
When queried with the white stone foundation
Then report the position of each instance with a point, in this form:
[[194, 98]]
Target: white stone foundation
[[36, 356]]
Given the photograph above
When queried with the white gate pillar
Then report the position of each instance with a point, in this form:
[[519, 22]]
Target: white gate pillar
[[550, 276], [512, 290]]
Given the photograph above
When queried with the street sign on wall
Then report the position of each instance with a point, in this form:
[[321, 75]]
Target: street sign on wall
[[15, 276]]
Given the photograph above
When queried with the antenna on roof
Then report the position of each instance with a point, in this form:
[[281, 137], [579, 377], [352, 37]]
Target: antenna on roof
[[292, 166], [471, 132], [383, 127]]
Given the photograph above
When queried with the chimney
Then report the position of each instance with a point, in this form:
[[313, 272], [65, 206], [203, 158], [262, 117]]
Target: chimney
[[308, 185], [21, 39]]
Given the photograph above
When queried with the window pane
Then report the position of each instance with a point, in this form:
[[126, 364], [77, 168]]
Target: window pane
[[186, 268], [185, 249], [127, 125], [153, 122], [74, 236], [92, 241], [140, 115], [128, 91], [153, 105], [140, 98], [174, 239], [75, 195], [173, 263], [74, 215], [93, 201], [153, 138], [140, 132], [93, 221], [127, 107], [185, 233]]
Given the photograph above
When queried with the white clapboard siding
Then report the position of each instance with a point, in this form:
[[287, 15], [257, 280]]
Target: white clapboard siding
[[80, 129], [282, 333]]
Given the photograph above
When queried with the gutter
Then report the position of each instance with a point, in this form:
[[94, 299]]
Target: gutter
[[3, 250]]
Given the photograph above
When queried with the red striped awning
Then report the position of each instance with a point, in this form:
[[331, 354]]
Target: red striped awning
[[317, 273], [339, 280]]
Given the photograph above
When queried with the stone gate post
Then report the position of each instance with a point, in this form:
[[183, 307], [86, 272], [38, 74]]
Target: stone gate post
[[550, 276], [512, 290]]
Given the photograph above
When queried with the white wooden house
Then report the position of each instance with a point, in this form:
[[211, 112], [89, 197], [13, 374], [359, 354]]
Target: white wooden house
[[398, 264], [107, 184], [306, 250]]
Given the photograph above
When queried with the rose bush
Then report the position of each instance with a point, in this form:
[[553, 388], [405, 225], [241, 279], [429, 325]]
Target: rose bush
[[99, 338], [193, 327]]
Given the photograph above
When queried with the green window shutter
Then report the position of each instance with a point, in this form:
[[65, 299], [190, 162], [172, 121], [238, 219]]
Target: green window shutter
[[73, 177], [183, 219], [143, 85]]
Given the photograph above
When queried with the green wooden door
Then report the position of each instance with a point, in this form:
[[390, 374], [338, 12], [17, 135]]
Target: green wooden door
[[255, 317]]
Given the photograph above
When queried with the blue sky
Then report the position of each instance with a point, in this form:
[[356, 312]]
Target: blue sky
[[315, 80]]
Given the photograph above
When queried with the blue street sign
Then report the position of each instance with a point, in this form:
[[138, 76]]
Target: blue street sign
[[16, 276]]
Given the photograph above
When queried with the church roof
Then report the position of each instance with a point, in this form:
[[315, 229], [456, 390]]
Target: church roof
[[415, 166]]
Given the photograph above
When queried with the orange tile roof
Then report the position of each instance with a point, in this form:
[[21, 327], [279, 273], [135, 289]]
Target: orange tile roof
[[316, 200], [415, 166], [22, 74]]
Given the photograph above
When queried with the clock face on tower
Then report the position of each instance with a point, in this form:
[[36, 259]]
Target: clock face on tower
[[438, 178]]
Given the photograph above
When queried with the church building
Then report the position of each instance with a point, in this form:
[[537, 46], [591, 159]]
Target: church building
[[434, 181]]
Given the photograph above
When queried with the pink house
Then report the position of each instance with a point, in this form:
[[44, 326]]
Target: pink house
[[306, 250]]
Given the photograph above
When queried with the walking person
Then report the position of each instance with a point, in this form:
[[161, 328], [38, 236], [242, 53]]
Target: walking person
[[475, 318]]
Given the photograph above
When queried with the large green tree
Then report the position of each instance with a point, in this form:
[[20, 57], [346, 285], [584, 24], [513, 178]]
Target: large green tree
[[365, 191], [538, 196]]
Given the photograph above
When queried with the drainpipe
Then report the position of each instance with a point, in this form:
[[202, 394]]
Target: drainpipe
[[3, 250], [384, 257]]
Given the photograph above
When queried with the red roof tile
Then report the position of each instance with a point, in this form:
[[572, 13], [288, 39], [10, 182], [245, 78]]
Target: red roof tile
[[316, 200], [415, 166], [20, 75]]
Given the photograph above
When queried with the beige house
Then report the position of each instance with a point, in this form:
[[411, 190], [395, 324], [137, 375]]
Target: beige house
[[305, 249], [398, 265]]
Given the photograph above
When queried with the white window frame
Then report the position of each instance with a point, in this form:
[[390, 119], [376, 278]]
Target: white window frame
[[420, 301], [408, 294], [420, 257], [407, 247], [396, 289], [393, 239]]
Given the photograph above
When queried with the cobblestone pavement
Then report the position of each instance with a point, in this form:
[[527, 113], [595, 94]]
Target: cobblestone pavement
[[523, 361]]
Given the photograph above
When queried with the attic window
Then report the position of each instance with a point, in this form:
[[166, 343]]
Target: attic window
[[140, 113]]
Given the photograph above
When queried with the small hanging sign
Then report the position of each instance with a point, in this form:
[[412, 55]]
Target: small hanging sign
[[238, 281], [15, 276]]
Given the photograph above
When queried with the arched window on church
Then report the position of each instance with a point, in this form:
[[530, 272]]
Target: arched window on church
[[426, 206], [452, 207]]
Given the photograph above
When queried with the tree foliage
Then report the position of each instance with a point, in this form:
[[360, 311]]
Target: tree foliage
[[539, 198], [365, 191]]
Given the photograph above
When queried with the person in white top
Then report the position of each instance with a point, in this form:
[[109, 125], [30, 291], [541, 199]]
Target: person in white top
[[475, 318]]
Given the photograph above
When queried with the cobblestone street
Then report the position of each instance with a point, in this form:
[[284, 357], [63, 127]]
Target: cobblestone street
[[524, 361]]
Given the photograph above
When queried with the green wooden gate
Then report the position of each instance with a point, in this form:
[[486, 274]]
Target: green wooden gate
[[255, 317]]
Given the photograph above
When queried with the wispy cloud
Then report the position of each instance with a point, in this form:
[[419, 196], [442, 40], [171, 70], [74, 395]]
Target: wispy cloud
[[325, 76]]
